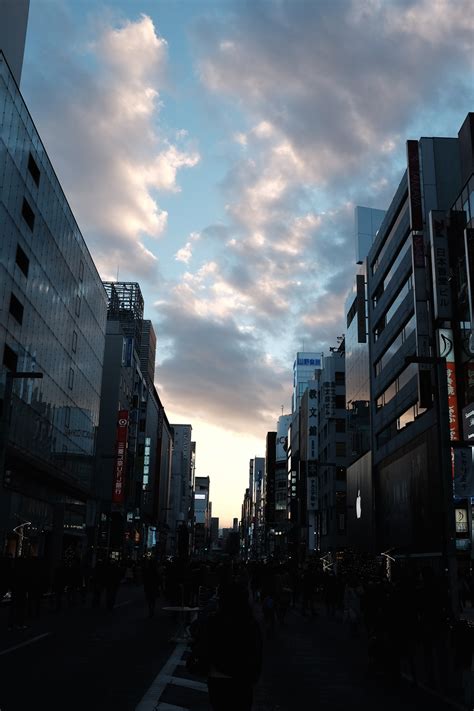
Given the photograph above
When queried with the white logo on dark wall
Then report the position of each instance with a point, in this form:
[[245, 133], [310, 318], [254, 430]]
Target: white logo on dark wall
[[446, 345]]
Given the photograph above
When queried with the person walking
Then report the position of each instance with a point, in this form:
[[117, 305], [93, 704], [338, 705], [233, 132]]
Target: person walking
[[150, 584], [229, 647]]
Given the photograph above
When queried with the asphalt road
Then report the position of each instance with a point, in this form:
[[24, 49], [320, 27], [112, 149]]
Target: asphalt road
[[87, 659]]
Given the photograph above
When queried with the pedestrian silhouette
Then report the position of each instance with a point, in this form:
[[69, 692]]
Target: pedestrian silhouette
[[229, 647]]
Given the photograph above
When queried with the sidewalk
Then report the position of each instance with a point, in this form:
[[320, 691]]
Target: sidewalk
[[313, 662]]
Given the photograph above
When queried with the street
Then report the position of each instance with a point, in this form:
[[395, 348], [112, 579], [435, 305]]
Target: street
[[85, 658]]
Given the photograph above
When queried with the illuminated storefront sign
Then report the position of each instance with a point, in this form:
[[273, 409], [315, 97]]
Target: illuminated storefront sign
[[118, 493], [446, 350]]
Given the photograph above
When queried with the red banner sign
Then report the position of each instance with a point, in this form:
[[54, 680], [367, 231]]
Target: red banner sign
[[118, 493]]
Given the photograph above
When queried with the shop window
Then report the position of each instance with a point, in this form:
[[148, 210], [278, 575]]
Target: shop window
[[28, 214]]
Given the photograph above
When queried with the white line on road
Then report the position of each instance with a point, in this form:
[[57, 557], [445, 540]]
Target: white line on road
[[25, 643], [126, 602], [188, 683], [150, 700]]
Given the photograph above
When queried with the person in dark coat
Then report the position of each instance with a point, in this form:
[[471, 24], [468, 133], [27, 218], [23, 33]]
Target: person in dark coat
[[113, 577], [150, 584], [230, 649]]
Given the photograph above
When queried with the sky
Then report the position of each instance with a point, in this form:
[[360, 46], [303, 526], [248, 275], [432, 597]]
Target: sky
[[214, 151]]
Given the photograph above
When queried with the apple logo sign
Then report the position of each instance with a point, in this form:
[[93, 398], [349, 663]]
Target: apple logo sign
[[358, 504]]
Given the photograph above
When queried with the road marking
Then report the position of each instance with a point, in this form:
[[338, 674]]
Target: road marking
[[150, 700], [188, 683], [121, 604], [24, 644]]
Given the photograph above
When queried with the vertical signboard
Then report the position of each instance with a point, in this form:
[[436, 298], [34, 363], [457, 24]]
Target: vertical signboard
[[312, 502], [469, 249], [440, 266], [446, 350], [118, 492], [414, 186], [361, 325]]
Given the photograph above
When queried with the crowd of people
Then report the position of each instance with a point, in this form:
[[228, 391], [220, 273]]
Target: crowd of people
[[397, 617]]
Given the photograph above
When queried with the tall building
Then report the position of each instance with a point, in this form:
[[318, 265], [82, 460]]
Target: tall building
[[332, 449], [421, 374], [360, 501], [201, 514], [181, 488], [122, 435], [52, 321], [13, 25], [305, 366], [148, 351]]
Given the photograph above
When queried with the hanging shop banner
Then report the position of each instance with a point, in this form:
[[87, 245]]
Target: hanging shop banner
[[463, 479], [312, 503], [446, 350], [469, 249], [440, 265], [118, 493]]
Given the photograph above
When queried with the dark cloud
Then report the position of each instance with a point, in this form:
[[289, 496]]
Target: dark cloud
[[218, 372]]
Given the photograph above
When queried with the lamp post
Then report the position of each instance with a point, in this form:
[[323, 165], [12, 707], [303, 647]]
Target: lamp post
[[5, 418]]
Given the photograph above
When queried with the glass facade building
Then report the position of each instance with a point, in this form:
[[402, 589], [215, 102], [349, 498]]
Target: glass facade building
[[52, 320]]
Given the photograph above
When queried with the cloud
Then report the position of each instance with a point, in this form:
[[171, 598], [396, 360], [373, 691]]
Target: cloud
[[100, 122], [218, 372], [338, 81]]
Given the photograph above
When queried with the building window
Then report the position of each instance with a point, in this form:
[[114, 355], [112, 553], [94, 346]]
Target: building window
[[28, 214], [74, 341], [340, 402], [340, 425], [70, 382], [81, 270], [16, 308], [78, 306], [34, 170], [67, 417], [340, 378], [22, 260], [340, 449], [10, 358]]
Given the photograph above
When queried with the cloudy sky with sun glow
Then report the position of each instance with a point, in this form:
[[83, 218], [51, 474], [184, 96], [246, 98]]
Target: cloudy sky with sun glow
[[214, 150]]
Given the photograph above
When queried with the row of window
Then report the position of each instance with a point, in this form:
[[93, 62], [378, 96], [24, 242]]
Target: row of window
[[392, 231], [395, 387], [405, 289], [402, 421], [406, 247], [395, 345]]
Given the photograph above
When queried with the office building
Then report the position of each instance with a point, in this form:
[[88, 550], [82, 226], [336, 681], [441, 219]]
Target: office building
[[53, 311]]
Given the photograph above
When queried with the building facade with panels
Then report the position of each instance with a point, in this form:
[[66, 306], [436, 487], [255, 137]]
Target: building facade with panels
[[410, 418], [360, 501], [52, 320]]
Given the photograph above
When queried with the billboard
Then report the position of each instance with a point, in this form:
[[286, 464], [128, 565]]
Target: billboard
[[118, 492], [282, 437]]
